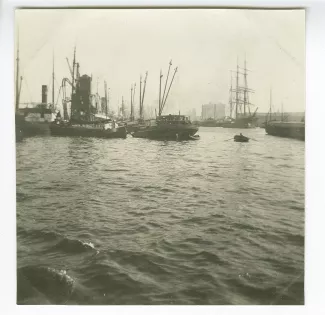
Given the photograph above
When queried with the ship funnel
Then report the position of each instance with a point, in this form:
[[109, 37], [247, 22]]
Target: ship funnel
[[44, 94]]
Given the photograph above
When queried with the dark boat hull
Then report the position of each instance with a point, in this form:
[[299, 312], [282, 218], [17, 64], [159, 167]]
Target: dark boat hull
[[133, 127], [29, 129], [81, 131], [241, 139], [166, 132], [286, 130], [37, 128]]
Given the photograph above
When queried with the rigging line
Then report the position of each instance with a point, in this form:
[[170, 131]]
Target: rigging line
[[57, 82], [27, 87], [57, 100], [271, 38]]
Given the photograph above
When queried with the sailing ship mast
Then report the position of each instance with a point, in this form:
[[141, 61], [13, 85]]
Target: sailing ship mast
[[106, 99], [162, 101], [53, 84], [230, 97], [242, 104], [123, 108], [18, 82], [170, 64], [245, 89], [141, 109], [132, 115], [144, 90], [270, 104], [160, 77], [237, 90]]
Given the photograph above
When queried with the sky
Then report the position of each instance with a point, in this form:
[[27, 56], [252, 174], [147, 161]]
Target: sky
[[118, 45]]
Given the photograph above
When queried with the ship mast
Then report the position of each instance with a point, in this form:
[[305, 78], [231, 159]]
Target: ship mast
[[170, 64], [141, 110], [245, 89], [230, 97], [53, 83], [131, 116], [237, 87], [160, 77], [123, 109], [164, 101], [73, 80], [17, 77], [106, 100], [144, 89], [270, 104]]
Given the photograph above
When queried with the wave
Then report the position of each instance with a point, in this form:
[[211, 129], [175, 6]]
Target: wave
[[50, 285], [73, 246], [145, 262], [37, 234]]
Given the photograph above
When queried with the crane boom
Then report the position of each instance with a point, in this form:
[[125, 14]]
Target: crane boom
[[70, 69]]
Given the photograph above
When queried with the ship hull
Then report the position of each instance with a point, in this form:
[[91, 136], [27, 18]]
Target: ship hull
[[36, 128], [241, 123], [211, 123], [166, 133], [133, 127], [31, 128], [286, 130], [82, 131]]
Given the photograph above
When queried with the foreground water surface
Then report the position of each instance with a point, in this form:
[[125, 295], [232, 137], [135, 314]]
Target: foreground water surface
[[134, 221]]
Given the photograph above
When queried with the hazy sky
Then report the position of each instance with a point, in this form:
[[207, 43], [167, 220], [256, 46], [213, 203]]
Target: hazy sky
[[119, 45]]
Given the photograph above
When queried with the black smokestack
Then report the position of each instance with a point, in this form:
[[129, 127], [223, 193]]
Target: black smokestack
[[44, 94]]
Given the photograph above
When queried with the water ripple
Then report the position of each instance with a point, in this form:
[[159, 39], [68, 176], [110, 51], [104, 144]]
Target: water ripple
[[143, 222]]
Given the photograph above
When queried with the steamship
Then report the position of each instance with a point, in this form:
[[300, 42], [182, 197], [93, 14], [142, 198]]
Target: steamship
[[84, 120], [37, 118], [34, 120]]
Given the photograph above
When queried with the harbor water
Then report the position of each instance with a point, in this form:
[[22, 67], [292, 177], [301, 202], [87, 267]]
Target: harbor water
[[133, 221]]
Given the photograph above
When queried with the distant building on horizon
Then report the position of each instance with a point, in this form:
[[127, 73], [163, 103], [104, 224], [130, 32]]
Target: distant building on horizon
[[213, 111]]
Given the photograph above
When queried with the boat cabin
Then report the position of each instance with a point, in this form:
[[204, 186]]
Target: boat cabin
[[40, 113], [173, 119]]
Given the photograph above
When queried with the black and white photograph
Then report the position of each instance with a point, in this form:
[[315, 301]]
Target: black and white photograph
[[160, 156]]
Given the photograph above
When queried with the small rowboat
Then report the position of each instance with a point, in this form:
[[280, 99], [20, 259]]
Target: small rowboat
[[196, 137], [240, 138]]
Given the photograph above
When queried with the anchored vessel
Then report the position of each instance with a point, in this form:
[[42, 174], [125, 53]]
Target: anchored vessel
[[135, 124], [166, 127], [239, 103], [85, 119], [33, 120], [283, 127], [295, 130]]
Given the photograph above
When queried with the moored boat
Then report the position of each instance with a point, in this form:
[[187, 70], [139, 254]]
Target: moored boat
[[239, 104], [166, 127], [98, 129], [35, 119], [85, 120], [295, 130], [195, 137]]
